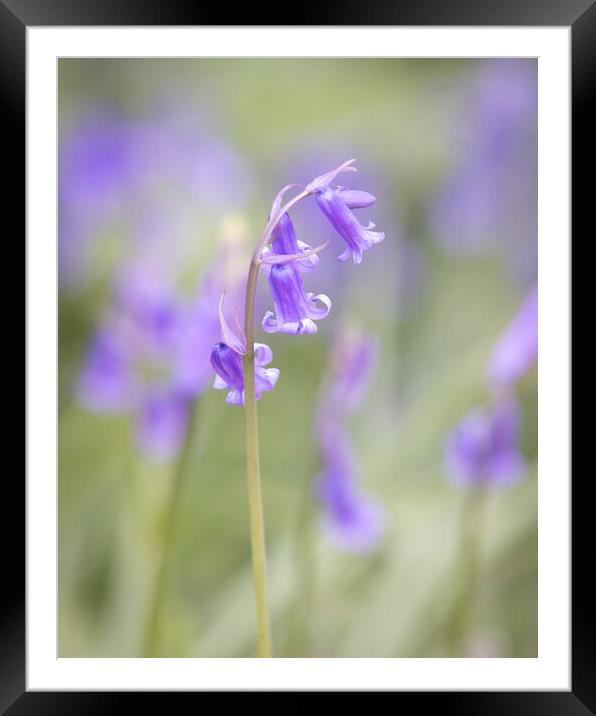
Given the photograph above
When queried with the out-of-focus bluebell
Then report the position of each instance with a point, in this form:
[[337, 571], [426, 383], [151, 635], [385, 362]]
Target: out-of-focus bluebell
[[351, 519], [483, 450], [115, 173], [489, 199], [151, 354]]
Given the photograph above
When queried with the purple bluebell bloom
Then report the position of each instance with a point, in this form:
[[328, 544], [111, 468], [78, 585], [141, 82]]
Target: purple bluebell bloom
[[295, 310], [226, 359], [484, 448], [337, 205], [517, 350]]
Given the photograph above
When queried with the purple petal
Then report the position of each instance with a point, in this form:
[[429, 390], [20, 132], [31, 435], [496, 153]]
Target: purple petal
[[355, 199], [357, 237], [228, 365], [295, 311], [284, 241]]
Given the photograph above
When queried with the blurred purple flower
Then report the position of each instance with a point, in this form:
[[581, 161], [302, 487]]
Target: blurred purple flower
[[517, 350], [484, 448], [107, 383], [113, 171], [353, 361], [351, 519], [162, 423], [151, 354], [491, 197]]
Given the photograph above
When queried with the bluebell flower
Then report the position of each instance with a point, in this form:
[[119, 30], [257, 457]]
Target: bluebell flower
[[336, 206], [484, 448], [295, 310], [226, 359], [337, 203], [150, 356]]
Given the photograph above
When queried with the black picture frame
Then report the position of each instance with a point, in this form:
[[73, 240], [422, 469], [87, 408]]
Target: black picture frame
[[15, 16]]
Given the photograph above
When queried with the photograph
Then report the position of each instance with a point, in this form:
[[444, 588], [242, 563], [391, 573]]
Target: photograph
[[297, 357]]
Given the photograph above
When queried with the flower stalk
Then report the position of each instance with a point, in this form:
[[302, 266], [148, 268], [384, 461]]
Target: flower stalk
[[253, 467]]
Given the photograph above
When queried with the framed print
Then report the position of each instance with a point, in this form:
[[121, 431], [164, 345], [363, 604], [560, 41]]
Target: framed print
[[298, 356]]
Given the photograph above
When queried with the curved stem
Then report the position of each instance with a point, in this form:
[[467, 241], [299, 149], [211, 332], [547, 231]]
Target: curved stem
[[253, 474], [152, 634], [253, 468]]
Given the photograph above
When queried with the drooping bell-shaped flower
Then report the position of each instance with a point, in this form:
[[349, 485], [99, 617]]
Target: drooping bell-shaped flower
[[226, 359], [484, 448], [295, 310], [337, 205]]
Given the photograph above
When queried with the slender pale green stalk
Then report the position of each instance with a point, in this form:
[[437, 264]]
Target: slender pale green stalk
[[469, 556], [253, 468], [151, 644]]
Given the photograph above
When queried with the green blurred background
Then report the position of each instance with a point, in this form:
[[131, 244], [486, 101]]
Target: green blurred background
[[437, 314]]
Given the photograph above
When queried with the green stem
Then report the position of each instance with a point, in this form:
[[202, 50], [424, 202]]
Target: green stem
[[253, 468], [470, 558], [151, 645], [253, 474]]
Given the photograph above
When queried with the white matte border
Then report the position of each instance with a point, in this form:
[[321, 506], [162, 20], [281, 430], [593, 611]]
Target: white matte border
[[551, 670]]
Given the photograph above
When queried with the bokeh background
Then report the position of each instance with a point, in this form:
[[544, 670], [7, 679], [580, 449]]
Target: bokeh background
[[166, 169]]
